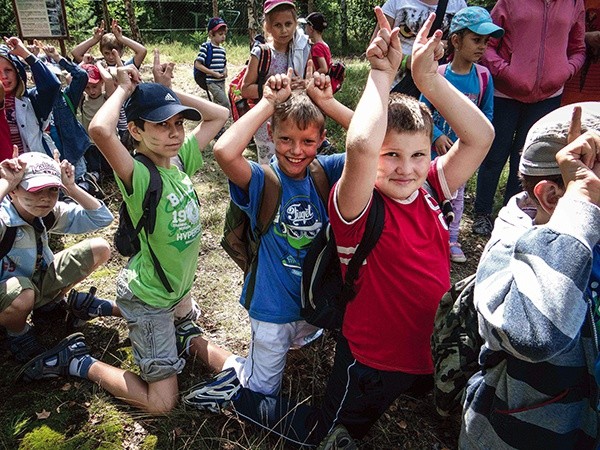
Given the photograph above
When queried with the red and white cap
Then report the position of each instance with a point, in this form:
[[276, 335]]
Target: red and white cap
[[41, 172]]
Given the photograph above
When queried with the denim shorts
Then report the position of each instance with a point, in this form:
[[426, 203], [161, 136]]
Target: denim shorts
[[152, 332], [69, 267]]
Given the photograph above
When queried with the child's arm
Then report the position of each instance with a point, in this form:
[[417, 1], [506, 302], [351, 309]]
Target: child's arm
[[320, 92], [103, 125], [79, 77], [67, 172], [213, 116], [109, 74], [81, 49], [139, 51], [474, 132], [250, 81], [368, 126], [231, 145], [47, 85]]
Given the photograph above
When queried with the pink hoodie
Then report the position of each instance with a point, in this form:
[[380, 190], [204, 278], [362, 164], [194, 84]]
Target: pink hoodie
[[543, 46]]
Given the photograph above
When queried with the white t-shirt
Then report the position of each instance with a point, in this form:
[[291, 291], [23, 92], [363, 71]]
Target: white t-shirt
[[409, 16]]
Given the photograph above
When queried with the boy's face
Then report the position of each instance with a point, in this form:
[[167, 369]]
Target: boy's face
[[34, 204], [164, 138], [94, 90], [8, 76], [218, 37], [403, 163], [295, 148], [109, 57]]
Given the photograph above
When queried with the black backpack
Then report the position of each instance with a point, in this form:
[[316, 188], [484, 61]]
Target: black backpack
[[126, 238], [324, 294], [240, 242]]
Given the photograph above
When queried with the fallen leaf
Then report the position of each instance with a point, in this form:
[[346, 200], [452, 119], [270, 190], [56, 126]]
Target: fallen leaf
[[42, 415], [402, 424], [177, 431], [66, 387]]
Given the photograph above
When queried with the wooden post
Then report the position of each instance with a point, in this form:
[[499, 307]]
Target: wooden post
[[135, 30], [215, 8]]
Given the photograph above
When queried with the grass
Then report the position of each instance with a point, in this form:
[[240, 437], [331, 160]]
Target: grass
[[82, 416]]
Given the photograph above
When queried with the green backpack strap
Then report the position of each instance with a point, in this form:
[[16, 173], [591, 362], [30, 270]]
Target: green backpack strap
[[270, 199]]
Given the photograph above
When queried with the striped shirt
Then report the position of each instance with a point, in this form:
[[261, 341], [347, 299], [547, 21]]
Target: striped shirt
[[217, 63]]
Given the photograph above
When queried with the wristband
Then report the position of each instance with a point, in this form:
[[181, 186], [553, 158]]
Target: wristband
[[403, 64]]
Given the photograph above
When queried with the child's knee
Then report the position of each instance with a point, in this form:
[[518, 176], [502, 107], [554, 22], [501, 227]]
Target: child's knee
[[21, 306], [100, 249]]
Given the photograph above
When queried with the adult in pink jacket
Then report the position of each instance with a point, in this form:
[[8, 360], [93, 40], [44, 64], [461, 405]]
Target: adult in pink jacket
[[542, 47]]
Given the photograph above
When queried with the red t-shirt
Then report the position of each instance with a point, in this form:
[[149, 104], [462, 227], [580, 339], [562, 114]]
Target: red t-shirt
[[389, 323], [320, 50]]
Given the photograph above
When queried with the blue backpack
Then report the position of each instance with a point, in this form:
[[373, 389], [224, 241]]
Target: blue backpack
[[199, 76]]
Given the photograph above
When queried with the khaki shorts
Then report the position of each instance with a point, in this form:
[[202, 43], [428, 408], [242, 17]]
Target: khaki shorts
[[68, 268], [152, 332]]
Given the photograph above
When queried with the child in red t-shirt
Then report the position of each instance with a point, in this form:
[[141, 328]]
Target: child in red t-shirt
[[319, 52]]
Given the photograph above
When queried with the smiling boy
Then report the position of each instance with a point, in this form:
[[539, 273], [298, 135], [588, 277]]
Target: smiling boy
[[297, 127]]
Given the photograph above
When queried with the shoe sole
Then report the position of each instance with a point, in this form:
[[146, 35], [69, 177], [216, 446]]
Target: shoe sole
[[195, 399], [66, 342]]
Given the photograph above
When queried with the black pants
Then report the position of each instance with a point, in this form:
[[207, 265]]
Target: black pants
[[356, 396]]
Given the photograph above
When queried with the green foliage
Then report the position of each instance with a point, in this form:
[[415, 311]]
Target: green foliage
[[42, 438]]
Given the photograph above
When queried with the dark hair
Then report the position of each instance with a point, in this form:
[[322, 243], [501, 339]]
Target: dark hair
[[450, 49], [301, 110], [528, 183], [131, 141], [406, 114]]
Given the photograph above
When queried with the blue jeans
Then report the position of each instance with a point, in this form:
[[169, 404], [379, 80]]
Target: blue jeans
[[512, 121]]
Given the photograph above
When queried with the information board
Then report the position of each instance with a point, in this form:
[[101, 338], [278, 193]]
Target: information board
[[41, 19]]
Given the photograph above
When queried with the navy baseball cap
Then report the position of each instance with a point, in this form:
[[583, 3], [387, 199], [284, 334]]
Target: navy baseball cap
[[156, 103], [215, 23], [476, 19]]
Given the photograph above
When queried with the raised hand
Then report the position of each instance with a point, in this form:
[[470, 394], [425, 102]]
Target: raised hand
[[162, 72], [318, 85], [575, 125], [579, 164], [128, 77], [116, 29], [278, 88], [67, 170], [13, 169], [17, 47], [426, 52], [99, 31], [385, 53], [49, 50]]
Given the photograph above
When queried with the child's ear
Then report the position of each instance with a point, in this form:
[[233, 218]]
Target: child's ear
[[548, 193], [134, 131], [455, 40]]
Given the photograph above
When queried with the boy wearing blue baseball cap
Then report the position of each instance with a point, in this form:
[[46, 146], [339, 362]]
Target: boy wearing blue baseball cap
[[160, 316], [210, 66]]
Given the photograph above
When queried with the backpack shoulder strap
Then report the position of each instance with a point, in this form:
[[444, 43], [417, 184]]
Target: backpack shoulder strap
[[264, 62], [270, 199], [482, 75], [373, 230], [209, 54], [7, 241], [319, 177], [148, 219], [442, 69]]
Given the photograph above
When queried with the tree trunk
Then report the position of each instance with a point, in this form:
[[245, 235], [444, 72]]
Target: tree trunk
[[254, 24], [344, 23], [135, 31], [106, 15], [215, 8]]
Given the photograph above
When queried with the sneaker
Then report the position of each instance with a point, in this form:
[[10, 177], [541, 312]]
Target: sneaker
[[456, 253], [78, 306], [339, 438], [55, 362], [93, 183], [482, 225], [25, 346], [184, 333], [215, 394]]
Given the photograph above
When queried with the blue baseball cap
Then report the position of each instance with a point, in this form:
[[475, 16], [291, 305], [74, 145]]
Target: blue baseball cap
[[477, 20], [156, 103], [215, 23]]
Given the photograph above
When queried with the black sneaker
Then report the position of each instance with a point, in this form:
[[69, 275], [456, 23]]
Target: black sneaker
[[338, 439], [55, 362], [78, 306], [482, 225], [25, 347]]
